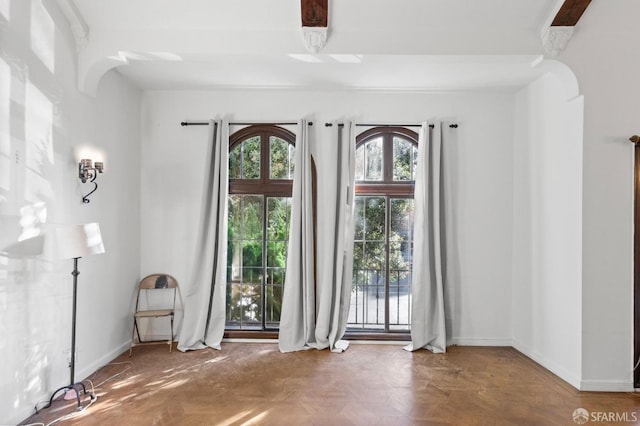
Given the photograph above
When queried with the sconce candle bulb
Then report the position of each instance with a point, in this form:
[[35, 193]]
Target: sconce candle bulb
[[88, 171]]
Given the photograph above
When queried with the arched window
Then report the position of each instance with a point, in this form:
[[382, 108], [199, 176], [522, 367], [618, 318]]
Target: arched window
[[260, 183], [383, 241]]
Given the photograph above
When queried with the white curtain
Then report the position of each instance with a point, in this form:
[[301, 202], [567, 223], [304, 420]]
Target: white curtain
[[314, 314], [205, 296], [428, 329], [298, 314], [334, 293]]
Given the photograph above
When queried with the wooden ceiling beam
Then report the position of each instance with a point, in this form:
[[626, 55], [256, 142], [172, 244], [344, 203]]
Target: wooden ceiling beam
[[570, 13], [314, 13]]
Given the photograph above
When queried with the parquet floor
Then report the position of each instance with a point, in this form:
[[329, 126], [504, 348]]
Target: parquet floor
[[253, 383]]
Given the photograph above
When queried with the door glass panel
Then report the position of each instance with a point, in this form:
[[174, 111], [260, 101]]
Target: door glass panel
[[367, 308], [245, 260], [400, 262], [374, 215], [278, 219], [252, 222]]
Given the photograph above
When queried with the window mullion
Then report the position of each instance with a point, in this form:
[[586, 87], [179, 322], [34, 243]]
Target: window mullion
[[387, 230], [387, 158], [263, 293], [265, 158]]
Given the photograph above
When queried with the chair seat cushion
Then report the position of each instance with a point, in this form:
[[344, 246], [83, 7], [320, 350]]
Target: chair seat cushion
[[154, 313]]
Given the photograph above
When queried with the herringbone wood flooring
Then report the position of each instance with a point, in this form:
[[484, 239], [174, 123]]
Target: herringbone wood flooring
[[253, 383]]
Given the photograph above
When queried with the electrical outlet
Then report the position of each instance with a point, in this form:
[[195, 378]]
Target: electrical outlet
[[18, 155], [68, 355]]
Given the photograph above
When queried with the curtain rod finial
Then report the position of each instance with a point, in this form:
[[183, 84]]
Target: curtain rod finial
[[635, 138]]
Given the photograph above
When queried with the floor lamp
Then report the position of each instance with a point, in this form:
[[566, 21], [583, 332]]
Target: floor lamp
[[75, 242]]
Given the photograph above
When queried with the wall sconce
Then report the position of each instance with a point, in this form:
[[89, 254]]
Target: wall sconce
[[89, 172]]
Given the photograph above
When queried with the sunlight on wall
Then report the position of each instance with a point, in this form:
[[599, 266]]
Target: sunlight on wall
[[126, 56], [39, 144], [42, 34], [4, 9], [32, 219], [5, 144]]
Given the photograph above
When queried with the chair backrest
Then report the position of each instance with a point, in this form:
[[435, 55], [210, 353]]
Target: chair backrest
[[157, 282]]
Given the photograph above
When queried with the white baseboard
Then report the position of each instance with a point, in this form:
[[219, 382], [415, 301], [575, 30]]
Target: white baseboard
[[239, 340], [552, 366], [379, 342], [87, 370], [606, 386], [475, 341]]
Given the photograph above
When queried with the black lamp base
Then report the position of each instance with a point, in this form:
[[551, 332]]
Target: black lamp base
[[70, 390], [74, 387]]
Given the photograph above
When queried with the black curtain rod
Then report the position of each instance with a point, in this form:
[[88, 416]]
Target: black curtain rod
[[206, 123], [194, 123], [388, 125], [452, 126]]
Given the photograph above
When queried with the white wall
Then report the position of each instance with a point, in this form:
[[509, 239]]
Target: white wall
[[45, 126], [481, 153], [603, 55], [547, 308]]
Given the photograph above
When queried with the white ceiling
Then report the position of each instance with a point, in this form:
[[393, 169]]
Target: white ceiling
[[372, 44]]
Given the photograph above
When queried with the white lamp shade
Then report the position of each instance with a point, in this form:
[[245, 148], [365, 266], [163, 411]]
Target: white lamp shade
[[79, 241]]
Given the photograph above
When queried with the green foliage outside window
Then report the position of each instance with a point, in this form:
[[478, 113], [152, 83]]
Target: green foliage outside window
[[244, 160], [370, 233], [404, 160], [281, 158]]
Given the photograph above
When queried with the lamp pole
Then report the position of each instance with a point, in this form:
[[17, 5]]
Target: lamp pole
[[75, 274]]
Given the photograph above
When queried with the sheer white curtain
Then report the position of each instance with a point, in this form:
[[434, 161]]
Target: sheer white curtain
[[298, 313], [316, 317], [334, 294], [205, 292], [428, 329]]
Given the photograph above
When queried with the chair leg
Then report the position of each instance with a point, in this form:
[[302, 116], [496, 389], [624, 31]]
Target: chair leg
[[171, 341], [133, 336]]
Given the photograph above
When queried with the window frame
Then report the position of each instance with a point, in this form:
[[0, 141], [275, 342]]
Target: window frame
[[266, 187], [389, 189]]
